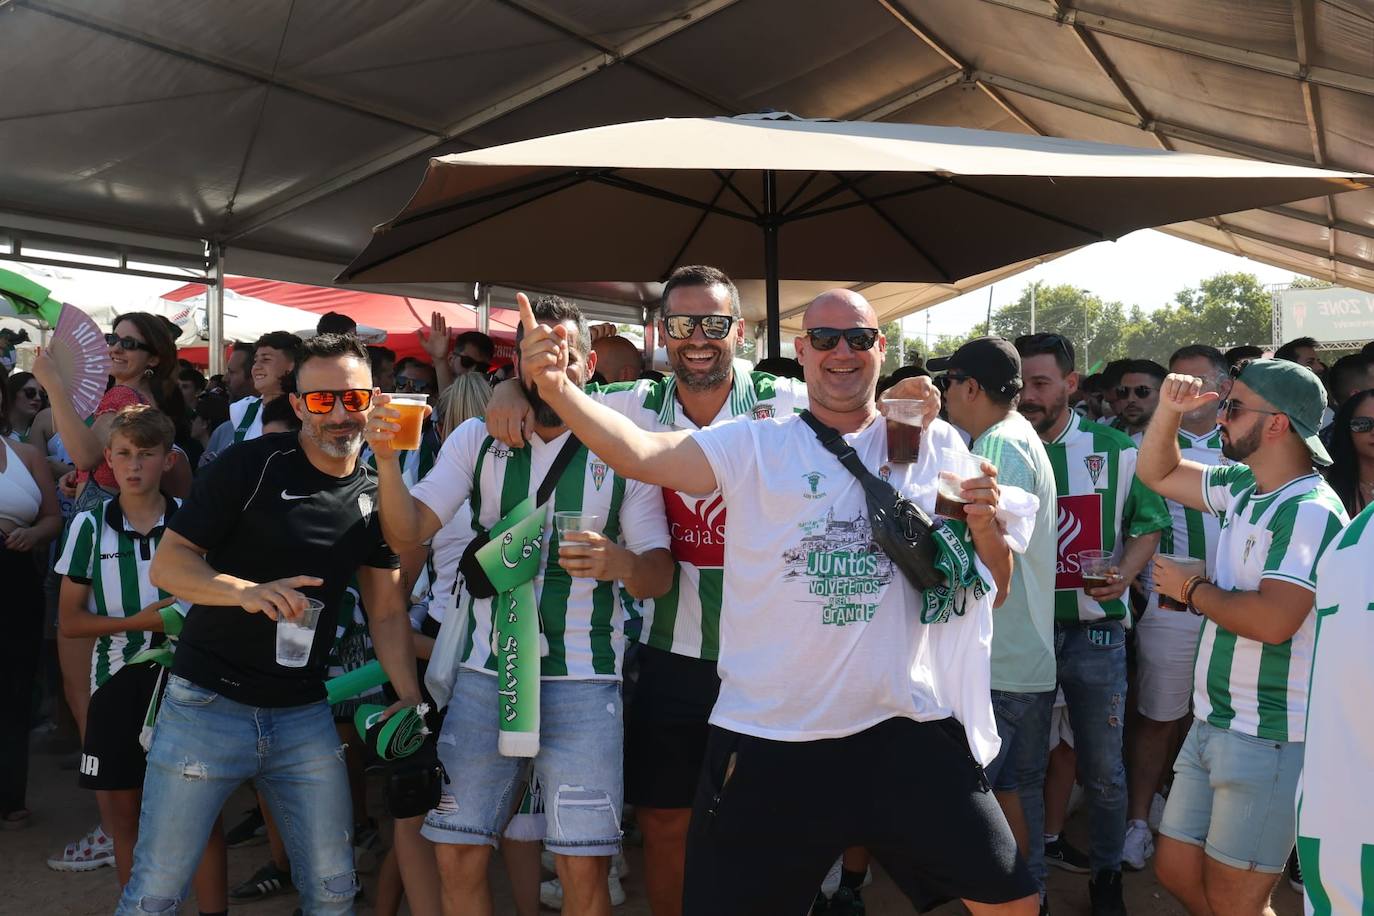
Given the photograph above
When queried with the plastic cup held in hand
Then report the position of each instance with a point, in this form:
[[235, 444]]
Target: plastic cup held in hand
[[905, 418], [568, 522], [411, 421], [957, 466], [1096, 567], [296, 637], [1189, 566]]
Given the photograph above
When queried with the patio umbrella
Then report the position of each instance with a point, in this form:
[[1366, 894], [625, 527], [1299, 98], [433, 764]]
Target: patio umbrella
[[775, 197]]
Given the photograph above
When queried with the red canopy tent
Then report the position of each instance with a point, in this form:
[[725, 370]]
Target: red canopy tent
[[399, 316]]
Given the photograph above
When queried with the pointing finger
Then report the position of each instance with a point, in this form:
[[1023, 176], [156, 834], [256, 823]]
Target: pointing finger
[[526, 312]]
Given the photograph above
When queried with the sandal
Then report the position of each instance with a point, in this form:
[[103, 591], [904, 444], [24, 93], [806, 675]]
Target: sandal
[[92, 851], [17, 819]]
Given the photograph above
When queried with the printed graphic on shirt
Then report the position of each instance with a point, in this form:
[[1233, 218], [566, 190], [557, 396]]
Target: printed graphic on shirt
[[844, 576], [1080, 529]]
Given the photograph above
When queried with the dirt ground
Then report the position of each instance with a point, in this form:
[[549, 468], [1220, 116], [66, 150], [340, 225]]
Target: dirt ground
[[62, 813]]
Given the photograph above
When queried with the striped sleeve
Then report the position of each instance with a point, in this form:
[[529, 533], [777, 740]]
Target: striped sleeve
[[1221, 483], [78, 557], [1300, 532]]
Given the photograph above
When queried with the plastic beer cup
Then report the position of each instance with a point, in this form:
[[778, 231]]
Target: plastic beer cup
[[411, 421], [1191, 566], [296, 637], [905, 418], [1096, 567]]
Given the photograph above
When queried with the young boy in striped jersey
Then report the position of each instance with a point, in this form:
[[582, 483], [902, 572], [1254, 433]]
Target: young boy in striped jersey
[[106, 593], [1229, 824]]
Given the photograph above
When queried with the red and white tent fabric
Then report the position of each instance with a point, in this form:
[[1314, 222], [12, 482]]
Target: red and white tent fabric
[[399, 316]]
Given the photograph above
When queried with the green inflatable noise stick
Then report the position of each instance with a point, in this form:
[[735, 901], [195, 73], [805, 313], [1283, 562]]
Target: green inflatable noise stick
[[356, 682], [399, 736]]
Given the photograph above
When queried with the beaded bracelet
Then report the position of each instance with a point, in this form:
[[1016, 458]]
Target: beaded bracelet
[[1189, 588]]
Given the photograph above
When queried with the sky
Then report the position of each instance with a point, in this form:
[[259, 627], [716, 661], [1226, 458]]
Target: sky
[[1145, 268]]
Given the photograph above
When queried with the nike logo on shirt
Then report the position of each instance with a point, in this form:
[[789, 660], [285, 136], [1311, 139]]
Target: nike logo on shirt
[[286, 495]]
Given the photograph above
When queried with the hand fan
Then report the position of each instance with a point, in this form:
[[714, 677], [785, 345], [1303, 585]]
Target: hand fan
[[83, 358]]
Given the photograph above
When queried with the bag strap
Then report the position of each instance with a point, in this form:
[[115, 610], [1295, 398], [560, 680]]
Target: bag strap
[[560, 464], [834, 443]]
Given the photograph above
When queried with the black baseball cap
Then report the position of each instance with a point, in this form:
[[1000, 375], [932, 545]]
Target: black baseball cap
[[990, 361]]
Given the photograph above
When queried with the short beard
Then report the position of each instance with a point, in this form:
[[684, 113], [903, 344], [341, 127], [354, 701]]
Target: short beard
[[1240, 449], [1048, 418], [708, 380], [544, 415], [335, 446]]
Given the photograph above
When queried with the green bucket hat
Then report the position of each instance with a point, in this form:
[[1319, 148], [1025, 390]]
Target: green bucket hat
[[1295, 392]]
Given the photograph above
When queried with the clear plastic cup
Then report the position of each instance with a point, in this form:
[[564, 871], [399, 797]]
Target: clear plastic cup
[[1096, 567], [567, 522], [905, 419], [957, 466], [412, 410], [1191, 566], [296, 637]]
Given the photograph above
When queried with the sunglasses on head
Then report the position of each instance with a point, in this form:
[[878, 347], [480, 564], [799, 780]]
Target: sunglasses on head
[[1141, 391], [355, 400], [950, 378], [1227, 409], [715, 327], [1361, 424], [1036, 343], [127, 343], [413, 385], [828, 338], [468, 362]]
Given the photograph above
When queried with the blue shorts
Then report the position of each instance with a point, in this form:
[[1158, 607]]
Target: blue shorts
[[1234, 795], [578, 768]]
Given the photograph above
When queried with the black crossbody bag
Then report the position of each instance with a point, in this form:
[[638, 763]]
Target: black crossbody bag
[[474, 577], [900, 527]]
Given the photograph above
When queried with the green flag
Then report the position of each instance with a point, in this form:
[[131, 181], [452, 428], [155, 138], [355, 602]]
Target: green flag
[[511, 561], [29, 298]]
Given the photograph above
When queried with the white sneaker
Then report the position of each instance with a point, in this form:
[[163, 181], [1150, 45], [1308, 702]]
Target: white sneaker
[[619, 867], [551, 892], [1139, 845], [92, 851], [1156, 812]]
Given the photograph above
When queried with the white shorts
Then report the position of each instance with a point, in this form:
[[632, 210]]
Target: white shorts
[[1165, 649], [1061, 730]]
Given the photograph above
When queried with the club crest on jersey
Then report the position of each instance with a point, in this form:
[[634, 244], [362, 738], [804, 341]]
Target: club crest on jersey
[[885, 472], [763, 412], [1095, 464], [365, 504], [813, 480], [1249, 546], [598, 473]]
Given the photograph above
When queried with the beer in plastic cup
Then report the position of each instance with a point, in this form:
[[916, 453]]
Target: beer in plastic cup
[[412, 410], [1191, 566], [905, 418], [1096, 567], [296, 637], [566, 522]]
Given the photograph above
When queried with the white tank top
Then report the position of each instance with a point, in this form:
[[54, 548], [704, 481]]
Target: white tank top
[[20, 498]]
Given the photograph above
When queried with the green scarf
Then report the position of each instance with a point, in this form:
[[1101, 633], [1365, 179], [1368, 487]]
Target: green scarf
[[399, 736], [954, 557]]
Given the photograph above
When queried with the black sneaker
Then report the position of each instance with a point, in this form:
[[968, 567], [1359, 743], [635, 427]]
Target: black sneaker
[[248, 832], [1294, 872], [1062, 855], [1104, 890], [846, 902], [268, 881]]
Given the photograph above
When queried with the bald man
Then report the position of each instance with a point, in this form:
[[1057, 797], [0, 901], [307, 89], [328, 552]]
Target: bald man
[[618, 359], [826, 667]]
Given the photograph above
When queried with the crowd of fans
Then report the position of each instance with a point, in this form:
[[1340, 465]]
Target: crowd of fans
[[1168, 724]]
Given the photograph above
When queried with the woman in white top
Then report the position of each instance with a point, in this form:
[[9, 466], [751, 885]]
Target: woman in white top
[[29, 519]]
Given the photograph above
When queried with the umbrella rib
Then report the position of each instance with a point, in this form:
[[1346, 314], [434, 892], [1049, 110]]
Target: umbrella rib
[[897, 228], [569, 179], [806, 182], [869, 201], [648, 190], [1096, 235], [686, 242], [823, 196], [727, 183]]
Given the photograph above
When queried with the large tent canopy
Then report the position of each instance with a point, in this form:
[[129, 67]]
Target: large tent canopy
[[284, 131]]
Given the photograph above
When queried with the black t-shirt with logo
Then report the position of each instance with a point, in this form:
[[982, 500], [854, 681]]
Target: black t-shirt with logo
[[263, 512]]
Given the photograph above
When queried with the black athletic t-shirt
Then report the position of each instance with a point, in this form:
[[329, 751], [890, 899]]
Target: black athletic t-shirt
[[264, 512]]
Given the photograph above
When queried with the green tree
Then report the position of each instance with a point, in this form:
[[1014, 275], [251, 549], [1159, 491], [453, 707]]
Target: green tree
[[893, 358], [1224, 311], [1093, 326], [911, 352]]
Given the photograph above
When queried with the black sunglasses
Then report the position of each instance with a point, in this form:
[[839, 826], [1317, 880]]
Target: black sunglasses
[[715, 327], [950, 378], [1039, 343], [1228, 408], [828, 338], [468, 362], [1361, 424], [413, 385], [1141, 391], [31, 392], [127, 343]]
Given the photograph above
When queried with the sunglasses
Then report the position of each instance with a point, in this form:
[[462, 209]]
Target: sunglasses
[[1038, 342], [355, 400], [468, 362], [31, 392], [413, 385], [1141, 391], [127, 343], [829, 338], [1227, 409], [715, 327], [950, 378], [1361, 424]]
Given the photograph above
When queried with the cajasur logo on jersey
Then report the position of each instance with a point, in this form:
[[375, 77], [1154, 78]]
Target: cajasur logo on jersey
[[1080, 528], [696, 528]]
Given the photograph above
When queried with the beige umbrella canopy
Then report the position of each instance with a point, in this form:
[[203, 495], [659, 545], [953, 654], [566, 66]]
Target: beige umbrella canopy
[[775, 197]]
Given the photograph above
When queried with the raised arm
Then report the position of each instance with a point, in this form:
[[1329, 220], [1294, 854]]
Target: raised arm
[[86, 444], [669, 459], [1161, 465]]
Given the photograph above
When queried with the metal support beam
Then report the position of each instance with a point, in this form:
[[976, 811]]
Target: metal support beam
[[1315, 219], [1294, 246], [1361, 83], [1304, 33], [291, 200], [216, 311], [909, 97]]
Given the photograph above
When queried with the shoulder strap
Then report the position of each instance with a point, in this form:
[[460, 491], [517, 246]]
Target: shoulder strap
[[560, 463], [834, 443]]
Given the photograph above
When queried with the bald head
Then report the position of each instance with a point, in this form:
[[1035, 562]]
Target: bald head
[[618, 359], [840, 308]]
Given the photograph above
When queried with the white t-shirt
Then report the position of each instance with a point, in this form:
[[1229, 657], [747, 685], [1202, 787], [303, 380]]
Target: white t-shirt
[[819, 637]]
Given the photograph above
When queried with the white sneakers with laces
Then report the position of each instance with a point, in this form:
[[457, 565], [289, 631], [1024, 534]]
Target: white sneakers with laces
[[1138, 846]]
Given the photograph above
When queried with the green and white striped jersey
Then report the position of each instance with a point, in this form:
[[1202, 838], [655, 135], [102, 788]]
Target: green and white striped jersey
[[1335, 808], [1243, 684], [581, 618], [686, 621], [1100, 502], [101, 551], [245, 417]]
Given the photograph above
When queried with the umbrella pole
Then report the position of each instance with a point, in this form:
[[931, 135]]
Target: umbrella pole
[[770, 262]]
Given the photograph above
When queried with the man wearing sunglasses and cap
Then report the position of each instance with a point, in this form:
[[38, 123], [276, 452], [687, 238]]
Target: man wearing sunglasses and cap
[[272, 524], [1228, 826]]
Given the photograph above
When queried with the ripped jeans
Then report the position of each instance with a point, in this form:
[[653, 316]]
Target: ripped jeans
[[204, 747]]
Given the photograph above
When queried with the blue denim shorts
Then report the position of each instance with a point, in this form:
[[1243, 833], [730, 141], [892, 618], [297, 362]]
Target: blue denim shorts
[[578, 769], [1234, 795]]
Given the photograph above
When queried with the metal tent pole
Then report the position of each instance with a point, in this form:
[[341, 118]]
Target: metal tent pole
[[770, 262], [216, 310]]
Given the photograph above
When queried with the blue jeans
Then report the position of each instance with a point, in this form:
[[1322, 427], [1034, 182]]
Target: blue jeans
[[1024, 766], [204, 747], [1092, 673]]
